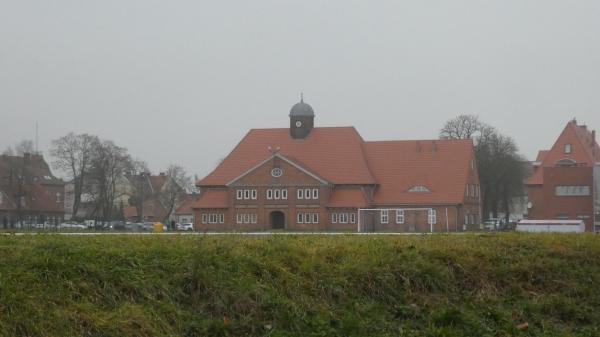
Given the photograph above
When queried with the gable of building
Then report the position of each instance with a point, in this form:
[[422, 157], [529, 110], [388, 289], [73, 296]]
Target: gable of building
[[278, 170], [324, 151], [578, 140]]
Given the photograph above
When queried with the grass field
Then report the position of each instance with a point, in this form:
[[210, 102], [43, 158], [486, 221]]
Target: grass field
[[430, 285]]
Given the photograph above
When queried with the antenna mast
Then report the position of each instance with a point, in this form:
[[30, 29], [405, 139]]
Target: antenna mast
[[36, 138]]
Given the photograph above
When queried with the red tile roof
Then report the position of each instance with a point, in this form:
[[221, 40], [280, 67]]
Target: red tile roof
[[212, 198], [442, 166], [324, 151], [186, 206], [537, 178], [541, 155], [152, 209], [345, 197]]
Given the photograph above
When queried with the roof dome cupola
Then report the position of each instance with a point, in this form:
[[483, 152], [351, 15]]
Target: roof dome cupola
[[302, 118]]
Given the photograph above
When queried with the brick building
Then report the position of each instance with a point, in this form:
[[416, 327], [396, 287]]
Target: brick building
[[29, 193], [565, 180], [318, 178]]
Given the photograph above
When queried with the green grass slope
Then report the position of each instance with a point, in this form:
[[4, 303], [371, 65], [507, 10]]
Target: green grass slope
[[455, 285]]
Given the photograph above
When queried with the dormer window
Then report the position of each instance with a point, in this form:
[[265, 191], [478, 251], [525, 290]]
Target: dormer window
[[419, 188], [568, 148]]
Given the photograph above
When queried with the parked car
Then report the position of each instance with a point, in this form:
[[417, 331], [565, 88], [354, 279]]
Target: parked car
[[71, 225], [185, 227], [148, 226]]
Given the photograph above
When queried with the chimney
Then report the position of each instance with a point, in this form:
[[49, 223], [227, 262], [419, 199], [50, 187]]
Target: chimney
[[162, 174], [27, 157]]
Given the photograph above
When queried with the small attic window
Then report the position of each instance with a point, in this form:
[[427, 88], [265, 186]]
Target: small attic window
[[567, 148], [419, 188]]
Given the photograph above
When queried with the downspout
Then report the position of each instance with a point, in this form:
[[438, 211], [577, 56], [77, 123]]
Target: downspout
[[447, 226]]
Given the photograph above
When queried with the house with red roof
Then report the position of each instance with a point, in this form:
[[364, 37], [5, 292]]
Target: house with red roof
[[566, 179], [29, 193], [329, 178]]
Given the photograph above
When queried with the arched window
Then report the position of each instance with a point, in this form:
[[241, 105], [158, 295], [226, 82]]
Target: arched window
[[419, 188]]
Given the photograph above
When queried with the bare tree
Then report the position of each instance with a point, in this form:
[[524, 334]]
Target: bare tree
[[22, 147], [110, 164], [139, 184], [501, 171], [8, 151], [461, 127], [174, 190], [73, 155]]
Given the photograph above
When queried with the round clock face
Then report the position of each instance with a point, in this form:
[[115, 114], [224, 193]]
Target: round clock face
[[298, 124], [276, 172]]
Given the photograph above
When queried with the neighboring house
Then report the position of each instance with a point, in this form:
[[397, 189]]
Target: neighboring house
[[87, 205], [307, 178], [158, 193], [566, 179], [185, 213], [29, 192]]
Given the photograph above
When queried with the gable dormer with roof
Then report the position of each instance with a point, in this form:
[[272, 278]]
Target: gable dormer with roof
[[562, 184], [317, 178]]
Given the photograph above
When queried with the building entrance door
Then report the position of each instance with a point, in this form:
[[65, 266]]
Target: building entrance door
[[277, 220]]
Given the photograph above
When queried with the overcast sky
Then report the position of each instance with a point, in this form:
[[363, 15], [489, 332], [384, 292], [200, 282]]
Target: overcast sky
[[183, 81]]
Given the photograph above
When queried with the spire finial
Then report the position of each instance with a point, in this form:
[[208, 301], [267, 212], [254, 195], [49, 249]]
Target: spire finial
[[302, 97]]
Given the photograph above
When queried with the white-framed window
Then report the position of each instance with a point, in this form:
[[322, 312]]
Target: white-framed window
[[315, 218], [254, 194], [284, 193], [334, 218], [300, 193], [299, 218], [352, 217], [432, 216], [568, 148], [343, 217], [472, 190], [277, 194], [307, 218], [572, 191], [466, 219], [204, 218], [221, 218], [467, 190], [384, 216], [239, 194], [399, 216], [58, 195], [238, 218], [254, 217], [315, 193], [307, 193], [269, 194], [246, 194]]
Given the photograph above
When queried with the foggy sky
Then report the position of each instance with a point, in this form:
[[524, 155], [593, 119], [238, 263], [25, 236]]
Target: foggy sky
[[183, 81]]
